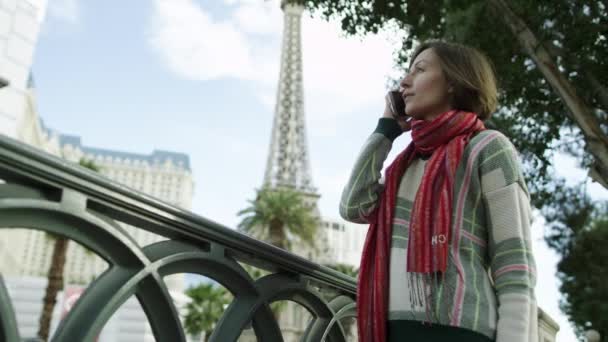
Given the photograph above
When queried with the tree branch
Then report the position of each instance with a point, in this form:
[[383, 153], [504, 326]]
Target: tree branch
[[597, 141], [598, 88]]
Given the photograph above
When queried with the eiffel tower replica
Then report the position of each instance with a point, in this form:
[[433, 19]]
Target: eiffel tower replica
[[288, 163]]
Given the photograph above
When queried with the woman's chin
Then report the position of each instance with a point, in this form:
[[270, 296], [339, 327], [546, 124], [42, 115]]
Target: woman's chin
[[420, 115], [414, 115]]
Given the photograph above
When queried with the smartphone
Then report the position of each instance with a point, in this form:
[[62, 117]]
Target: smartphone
[[396, 103]]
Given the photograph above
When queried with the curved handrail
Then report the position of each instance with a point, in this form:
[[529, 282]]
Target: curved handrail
[[58, 193]]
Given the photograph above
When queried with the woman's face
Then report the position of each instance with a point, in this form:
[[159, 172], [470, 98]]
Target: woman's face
[[425, 89]]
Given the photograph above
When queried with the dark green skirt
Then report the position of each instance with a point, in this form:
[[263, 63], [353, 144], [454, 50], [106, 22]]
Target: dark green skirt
[[414, 331]]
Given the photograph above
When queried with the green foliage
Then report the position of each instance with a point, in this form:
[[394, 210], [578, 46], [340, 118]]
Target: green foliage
[[584, 272], [531, 113], [577, 228], [277, 214], [254, 272], [346, 269], [89, 164], [206, 308], [328, 293], [569, 213], [257, 273], [578, 231]]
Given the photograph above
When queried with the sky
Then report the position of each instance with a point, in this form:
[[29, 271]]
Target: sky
[[199, 77]]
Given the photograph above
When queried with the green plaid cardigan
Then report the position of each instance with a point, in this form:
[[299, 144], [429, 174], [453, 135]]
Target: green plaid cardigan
[[489, 284]]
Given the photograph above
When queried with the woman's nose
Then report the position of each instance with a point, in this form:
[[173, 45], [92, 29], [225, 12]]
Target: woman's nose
[[405, 82]]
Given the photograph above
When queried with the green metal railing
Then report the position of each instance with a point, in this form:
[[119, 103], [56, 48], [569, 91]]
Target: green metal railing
[[46, 193]]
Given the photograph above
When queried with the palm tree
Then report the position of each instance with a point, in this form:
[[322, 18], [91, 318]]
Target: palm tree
[[348, 324], [277, 215], [328, 293], [349, 270], [55, 275], [205, 309]]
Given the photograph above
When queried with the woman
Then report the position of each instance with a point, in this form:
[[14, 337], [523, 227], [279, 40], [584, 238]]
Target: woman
[[448, 253]]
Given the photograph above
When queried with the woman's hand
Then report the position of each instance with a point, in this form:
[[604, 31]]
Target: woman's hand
[[405, 122]]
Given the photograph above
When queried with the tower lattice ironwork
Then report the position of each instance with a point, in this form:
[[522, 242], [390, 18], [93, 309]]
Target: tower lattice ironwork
[[288, 163]]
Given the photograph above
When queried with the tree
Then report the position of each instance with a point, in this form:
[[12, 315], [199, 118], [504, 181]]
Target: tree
[[89, 164], [279, 215], [578, 231], [584, 272], [348, 324], [205, 309], [569, 213], [55, 274], [550, 58], [346, 269], [328, 293]]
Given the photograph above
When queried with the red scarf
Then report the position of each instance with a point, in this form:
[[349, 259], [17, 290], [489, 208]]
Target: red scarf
[[429, 232]]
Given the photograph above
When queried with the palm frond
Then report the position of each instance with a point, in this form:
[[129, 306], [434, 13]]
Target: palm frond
[[279, 205]]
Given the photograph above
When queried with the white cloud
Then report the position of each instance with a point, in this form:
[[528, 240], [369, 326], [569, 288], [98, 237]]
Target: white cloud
[[351, 68], [233, 2], [259, 18], [195, 46], [340, 74], [65, 10], [267, 99]]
